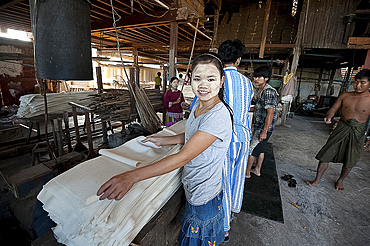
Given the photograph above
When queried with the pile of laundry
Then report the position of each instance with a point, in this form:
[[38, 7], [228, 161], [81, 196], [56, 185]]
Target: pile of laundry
[[82, 219]]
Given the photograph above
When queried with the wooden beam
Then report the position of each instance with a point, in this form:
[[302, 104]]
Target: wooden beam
[[110, 7], [362, 11], [154, 57], [359, 40], [185, 31], [217, 3], [10, 4], [99, 13], [135, 21], [264, 30], [128, 6], [272, 46], [359, 43], [200, 32]]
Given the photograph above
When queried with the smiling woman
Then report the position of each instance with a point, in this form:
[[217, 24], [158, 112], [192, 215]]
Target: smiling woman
[[206, 84], [207, 137]]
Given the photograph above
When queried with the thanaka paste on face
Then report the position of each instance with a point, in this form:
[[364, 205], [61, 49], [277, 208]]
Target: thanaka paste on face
[[206, 81]]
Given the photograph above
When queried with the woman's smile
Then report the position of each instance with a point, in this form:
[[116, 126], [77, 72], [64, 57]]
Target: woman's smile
[[206, 81]]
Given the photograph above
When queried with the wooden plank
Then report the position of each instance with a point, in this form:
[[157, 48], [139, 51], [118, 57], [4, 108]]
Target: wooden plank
[[165, 226], [359, 46], [359, 40], [265, 27]]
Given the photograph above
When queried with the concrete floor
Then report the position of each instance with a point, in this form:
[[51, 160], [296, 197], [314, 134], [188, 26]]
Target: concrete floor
[[326, 216]]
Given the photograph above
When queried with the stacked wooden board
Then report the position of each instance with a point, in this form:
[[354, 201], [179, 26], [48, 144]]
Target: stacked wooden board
[[32, 105], [247, 25]]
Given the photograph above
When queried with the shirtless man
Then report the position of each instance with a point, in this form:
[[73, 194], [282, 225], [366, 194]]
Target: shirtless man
[[346, 141]]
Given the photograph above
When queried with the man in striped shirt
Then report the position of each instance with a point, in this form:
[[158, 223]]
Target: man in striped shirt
[[238, 95]]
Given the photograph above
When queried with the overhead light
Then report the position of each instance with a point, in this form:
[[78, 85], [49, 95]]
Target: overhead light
[[343, 63]]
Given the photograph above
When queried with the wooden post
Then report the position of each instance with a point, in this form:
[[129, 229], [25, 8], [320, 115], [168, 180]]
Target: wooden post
[[331, 80], [55, 139], [68, 135], [38, 131], [29, 132], [79, 147], [164, 91], [75, 121], [164, 81], [59, 136], [264, 30], [346, 81], [99, 80], [91, 154], [367, 60], [132, 82], [105, 131], [299, 45], [215, 26], [136, 65], [173, 48], [318, 83], [137, 77]]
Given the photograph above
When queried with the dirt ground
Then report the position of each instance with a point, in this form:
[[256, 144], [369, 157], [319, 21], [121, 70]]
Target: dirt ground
[[326, 216]]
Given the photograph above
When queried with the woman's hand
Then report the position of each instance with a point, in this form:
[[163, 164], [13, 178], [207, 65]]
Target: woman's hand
[[178, 100], [159, 141], [117, 186]]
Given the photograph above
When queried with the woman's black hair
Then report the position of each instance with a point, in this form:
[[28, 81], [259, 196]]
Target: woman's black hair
[[210, 57], [172, 79]]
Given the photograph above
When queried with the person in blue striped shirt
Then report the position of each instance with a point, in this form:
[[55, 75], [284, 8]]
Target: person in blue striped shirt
[[238, 95]]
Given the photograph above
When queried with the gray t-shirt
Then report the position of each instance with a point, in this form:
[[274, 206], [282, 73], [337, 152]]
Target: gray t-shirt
[[202, 176]]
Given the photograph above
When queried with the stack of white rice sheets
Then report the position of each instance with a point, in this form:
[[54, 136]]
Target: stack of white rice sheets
[[32, 105], [82, 219]]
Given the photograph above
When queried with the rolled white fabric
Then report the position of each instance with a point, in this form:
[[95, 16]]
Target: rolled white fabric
[[82, 219]]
